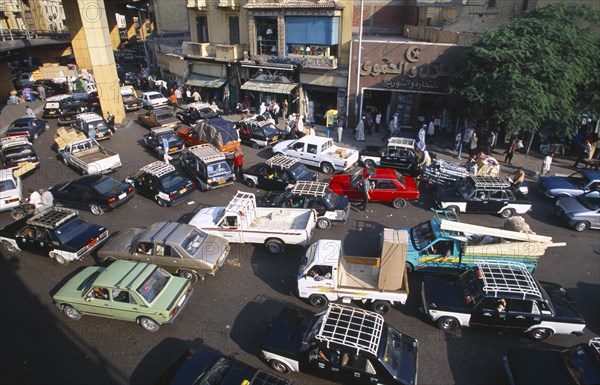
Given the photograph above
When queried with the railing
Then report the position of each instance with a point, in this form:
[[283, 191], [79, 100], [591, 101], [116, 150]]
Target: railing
[[198, 49], [20, 34], [197, 4]]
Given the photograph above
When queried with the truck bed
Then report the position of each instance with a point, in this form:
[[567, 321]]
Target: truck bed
[[281, 219], [363, 273], [92, 155]]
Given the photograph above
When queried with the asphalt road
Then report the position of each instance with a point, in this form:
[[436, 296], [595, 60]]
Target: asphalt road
[[230, 312]]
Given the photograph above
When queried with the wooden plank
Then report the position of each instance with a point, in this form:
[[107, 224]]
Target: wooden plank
[[474, 229]]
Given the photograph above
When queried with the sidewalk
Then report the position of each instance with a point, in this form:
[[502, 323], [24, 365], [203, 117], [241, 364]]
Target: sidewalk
[[10, 113]]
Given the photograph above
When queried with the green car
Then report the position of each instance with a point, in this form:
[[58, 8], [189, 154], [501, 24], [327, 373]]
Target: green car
[[125, 290]]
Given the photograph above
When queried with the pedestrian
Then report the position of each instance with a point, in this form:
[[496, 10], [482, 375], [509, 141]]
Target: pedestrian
[[178, 95], [368, 122], [471, 165], [340, 129], [421, 145], [360, 130], [26, 93], [35, 199], [584, 153], [196, 96], [92, 132], [377, 121], [47, 200], [188, 95], [473, 144], [276, 112], [510, 151], [110, 121], [173, 100], [547, 163], [41, 92], [489, 142], [262, 109], [423, 158], [430, 131], [29, 112], [312, 130], [165, 146], [517, 178], [214, 107], [366, 190], [300, 125], [238, 164], [287, 131], [285, 109], [457, 139]]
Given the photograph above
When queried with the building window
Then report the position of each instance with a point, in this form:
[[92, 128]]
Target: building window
[[202, 29], [234, 30], [266, 32], [525, 5], [491, 4], [313, 36]]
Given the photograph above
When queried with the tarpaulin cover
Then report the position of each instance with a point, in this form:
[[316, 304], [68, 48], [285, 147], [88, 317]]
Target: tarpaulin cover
[[218, 132]]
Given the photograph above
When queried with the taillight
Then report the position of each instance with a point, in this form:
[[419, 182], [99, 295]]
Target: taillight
[[208, 183], [130, 189], [111, 200], [172, 312], [171, 195], [12, 200], [192, 185]]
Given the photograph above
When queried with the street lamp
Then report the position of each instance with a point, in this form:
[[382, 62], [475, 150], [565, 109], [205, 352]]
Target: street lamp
[[141, 33]]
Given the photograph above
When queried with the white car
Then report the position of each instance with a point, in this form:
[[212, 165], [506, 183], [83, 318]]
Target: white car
[[153, 99], [10, 190]]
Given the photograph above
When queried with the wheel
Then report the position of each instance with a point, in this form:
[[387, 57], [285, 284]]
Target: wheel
[[189, 275], [318, 300], [399, 203], [323, 223], [10, 247], [58, 258], [65, 161], [149, 324], [381, 307], [409, 267], [453, 209], [326, 168], [370, 163], [71, 313], [95, 209], [17, 214], [250, 183], [254, 145], [275, 246], [161, 202], [540, 334], [581, 226], [35, 136], [507, 213], [279, 366], [447, 323]]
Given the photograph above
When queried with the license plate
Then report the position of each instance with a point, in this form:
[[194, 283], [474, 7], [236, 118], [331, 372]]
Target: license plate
[[100, 135], [134, 105], [123, 195], [51, 113], [221, 181], [173, 149], [183, 190]]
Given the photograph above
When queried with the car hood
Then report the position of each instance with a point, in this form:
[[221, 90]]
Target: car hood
[[558, 182], [342, 203], [538, 367], [119, 243], [286, 332], [282, 146], [564, 305], [571, 205], [341, 181], [74, 288], [206, 217]]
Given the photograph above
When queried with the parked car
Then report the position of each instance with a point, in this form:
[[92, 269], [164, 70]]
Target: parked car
[[387, 186], [29, 127], [128, 291], [162, 183], [153, 140], [207, 366], [581, 212], [131, 102], [576, 365], [57, 232], [398, 153], [569, 186], [207, 166], [160, 117], [319, 152], [55, 104], [16, 151], [177, 247], [278, 173], [331, 208], [258, 134], [195, 112], [96, 193], [68, 113], [483, 194], [84, 122], [344, 344], [500, 294], [154, 99], [11, 191]]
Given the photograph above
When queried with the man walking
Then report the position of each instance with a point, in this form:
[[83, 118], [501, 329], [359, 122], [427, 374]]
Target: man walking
[[340, 129], [178, 96], [366, 188], [238, 165], [41, 92], [547, 163], [377, 121], [165, 146], [29, 112]]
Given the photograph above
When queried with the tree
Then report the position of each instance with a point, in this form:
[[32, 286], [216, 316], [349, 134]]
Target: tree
[[541, 67]]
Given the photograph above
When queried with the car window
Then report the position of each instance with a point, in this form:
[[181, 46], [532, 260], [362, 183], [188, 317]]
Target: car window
[[154, 284], [123, 296], [481, 195], [498, 195], [316, 204], [100, 293], [6, 185], [311, 148], [298, 146], [385, 185], [519, 306]]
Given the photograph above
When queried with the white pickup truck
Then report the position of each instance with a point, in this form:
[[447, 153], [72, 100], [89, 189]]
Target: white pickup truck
[[88, 157], [320, 152], [242, 222], [326, 274]]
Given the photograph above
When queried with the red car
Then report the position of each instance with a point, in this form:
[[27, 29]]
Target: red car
[[388, 186]]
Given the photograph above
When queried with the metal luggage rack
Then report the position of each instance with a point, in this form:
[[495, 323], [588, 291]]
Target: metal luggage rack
[[207, 153], [401, 142], [351, 327], [281, 161], [53, 217], [490, 182], [87, 116], [595, 343], [508, 277], [58, 98], [158, 130], [158, 168], [304, 187], [10, 141]]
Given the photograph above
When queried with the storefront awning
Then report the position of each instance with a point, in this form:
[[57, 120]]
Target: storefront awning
[[205, 81], [269, 87]]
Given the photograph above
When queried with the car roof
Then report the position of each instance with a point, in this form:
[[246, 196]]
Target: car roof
[[6, 174], [174, 232], [124, 274], [152, 93], [384, 173], [89, 116], [23, 120]]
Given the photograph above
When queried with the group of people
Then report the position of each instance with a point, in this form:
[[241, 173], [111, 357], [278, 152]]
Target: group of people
[[40, 200]]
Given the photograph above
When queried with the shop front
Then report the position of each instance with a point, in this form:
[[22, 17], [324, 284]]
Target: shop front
[[211, 81], [265, 87], [323, 92]]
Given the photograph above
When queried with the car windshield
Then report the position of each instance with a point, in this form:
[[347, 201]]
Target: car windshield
[[465, 188], [164, 116], [422, 235], [171, 137], [13, 152], [6, 185], [392, 356], [356, 178], [98, 125], [218, 169], [308, 258], [270, 129], [581, 366], [71, 229], [215, 374], [18, 126], [400, 179], [331, 198], [193, 242], [172, 181], [299, 172], [590, 203], [578, 179], [155, 96], [106, 185], [154, 284]]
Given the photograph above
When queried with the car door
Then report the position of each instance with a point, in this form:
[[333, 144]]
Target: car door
[[124, 305], [384, 190], [141, 185], [522, 314], [167, 257], [267, 179], [316, 204], [34, 239], [358, 369], [489, 313], [229, 229], [497, 201], [478, 202], [296, 150], [311, 154], [324, 362], [97, 302]]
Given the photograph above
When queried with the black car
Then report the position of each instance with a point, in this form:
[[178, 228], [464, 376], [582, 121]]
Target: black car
[[192, 114], [576, 365], [399, 154], [162, 183], [207, 166], [344, 344], [331, 208], [51, 88], [131, 79], [55, 104], [206, 366], [29, 127], [483, 194], [277, 174], [153, 141], [57, 232], [68, 114], [258, 134], [96, 193], [16, 150]]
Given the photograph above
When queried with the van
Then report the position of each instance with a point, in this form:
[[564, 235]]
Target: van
[[11, 192]]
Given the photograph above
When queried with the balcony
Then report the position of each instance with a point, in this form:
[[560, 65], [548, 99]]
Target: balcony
[[198, 50], [231, 4], [229, 53], [311, 62], [200, 5]]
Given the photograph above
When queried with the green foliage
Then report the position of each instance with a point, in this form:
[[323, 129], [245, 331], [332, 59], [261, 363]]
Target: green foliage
[[543, 66]]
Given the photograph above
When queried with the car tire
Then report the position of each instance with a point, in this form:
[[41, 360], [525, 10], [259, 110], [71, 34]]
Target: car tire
[[507, 213], [581, 226], [275, 246], [250, 183], [96, 209], [399, 203], [381, 307], [326, 168], [71, 312], [149, 324], [318, 300], [540, 334], [189, 275], [409, 267], [58, 258], [35, 136], [9, 247], [254, 145], [453, 209], [65, 161], [323, 223], [279, 366], [370, 163], [447, 323], [161, 202]]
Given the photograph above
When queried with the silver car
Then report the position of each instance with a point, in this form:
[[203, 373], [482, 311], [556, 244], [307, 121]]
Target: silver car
[[581, 212]]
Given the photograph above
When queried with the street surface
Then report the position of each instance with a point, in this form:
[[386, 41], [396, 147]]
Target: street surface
[[231, 311]]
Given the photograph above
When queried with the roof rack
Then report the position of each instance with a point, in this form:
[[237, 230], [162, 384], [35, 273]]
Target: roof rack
[[507, 277], [158, 168], [450, 215], [305, 187], [52, 217], [595, 343], [158, 130], [198, 105], [57, 98], [11, 141], [207, 152], [281, 161], [485, 181], [87, 116], [352, 327], [401, 142]]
